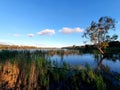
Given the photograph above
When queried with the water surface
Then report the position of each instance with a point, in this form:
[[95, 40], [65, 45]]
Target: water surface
[[88, 58]]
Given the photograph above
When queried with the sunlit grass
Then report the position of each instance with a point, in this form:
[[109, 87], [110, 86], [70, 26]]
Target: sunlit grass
[[36, 71]]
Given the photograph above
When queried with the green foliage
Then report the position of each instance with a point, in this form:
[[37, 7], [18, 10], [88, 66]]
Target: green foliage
[[98, 32], [100, 85], [90, 77], [47, 72]]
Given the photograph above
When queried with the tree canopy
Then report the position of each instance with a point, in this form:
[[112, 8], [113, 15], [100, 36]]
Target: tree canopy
[[98, 32]]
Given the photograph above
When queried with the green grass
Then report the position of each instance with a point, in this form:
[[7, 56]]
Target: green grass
[[38, 72]]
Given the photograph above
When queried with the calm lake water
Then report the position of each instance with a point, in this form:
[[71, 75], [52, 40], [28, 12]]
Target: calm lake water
[[73, 57], [113, 63]]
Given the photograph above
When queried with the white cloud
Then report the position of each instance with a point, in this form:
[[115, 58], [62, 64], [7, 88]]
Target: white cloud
[[67, 30], [30, 35], [47, 32], [16, 35]]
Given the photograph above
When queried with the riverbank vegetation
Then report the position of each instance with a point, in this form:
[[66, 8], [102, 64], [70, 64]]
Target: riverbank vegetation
[[29, 70]]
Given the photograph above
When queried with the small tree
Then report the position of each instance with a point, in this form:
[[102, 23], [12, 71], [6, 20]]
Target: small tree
[[98, 32]]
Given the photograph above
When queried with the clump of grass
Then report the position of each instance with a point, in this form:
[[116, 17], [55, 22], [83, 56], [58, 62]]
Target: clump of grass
[[90, 77], [37, 67]]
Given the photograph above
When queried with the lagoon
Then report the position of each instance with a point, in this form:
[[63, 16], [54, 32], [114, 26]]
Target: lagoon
[[78, 59]]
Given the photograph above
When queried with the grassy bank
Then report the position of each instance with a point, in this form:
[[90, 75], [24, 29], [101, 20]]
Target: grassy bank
[[25, 70]]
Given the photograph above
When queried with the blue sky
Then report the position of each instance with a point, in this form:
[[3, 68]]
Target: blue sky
[[52, 23]]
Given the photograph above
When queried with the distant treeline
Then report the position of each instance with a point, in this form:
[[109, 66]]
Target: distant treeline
[[16, 47], [112, 44]]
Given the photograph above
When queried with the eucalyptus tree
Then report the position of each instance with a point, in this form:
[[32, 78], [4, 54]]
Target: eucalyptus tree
[[98, 32]]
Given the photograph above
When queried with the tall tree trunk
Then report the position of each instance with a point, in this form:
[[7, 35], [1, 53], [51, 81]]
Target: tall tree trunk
[[101, 50]]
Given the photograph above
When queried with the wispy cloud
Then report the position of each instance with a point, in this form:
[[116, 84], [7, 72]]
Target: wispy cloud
[[30, 35], [119, 22], [49, 46], [66, 30], [6, 42], [47, 32], [16, 35]]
